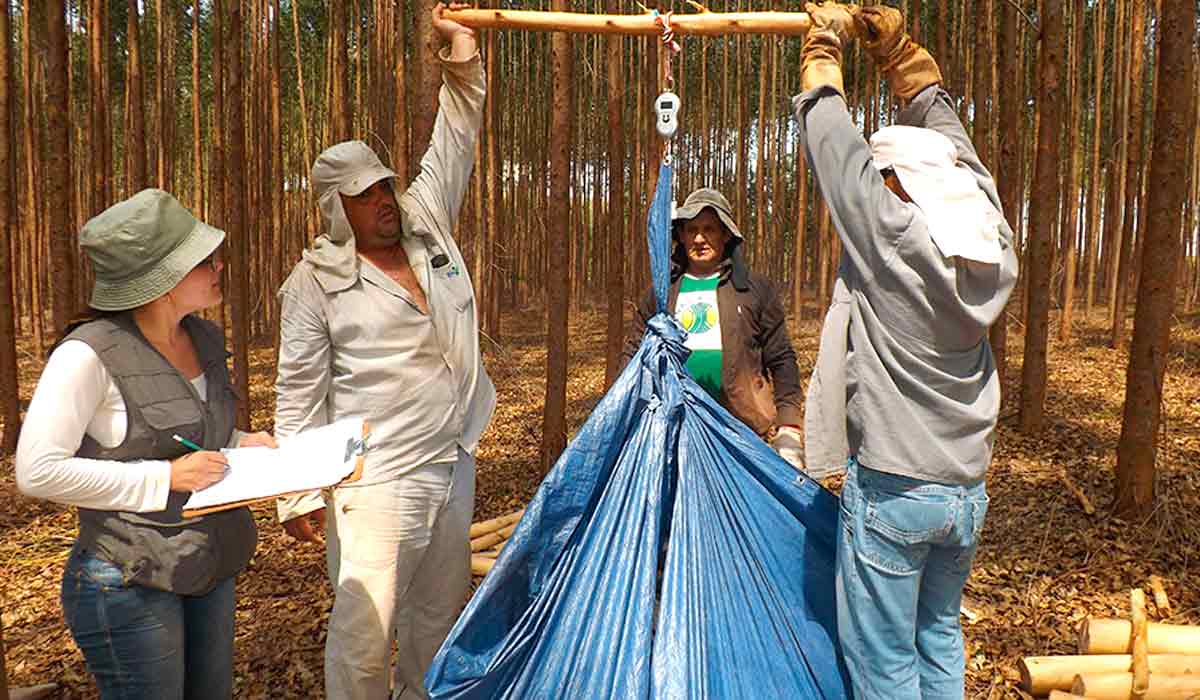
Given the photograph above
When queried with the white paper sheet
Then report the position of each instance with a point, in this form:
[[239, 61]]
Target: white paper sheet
[[314, 459]]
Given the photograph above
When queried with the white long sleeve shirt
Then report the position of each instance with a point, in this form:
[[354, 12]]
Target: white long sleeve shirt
[[75, 396]]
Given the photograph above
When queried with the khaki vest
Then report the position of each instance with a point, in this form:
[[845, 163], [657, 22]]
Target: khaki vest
[[164, 550]]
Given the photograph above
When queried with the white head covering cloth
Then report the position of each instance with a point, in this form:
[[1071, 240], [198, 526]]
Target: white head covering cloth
[[962, 220], [346, 168]]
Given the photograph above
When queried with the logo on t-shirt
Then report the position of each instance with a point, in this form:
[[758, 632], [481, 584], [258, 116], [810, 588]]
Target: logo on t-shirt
[[698, 317]]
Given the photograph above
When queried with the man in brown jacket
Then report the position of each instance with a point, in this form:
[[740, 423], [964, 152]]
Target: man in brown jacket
[[737, 328]]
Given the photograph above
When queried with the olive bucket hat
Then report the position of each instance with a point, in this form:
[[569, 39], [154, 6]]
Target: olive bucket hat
[[142, 247], [707, 197]]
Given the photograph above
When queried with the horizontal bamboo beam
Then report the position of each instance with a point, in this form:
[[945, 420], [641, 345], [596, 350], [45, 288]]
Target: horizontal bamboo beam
[[700, 23]]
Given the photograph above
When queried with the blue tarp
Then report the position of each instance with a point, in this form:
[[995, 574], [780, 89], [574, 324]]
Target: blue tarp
[[670, 553]]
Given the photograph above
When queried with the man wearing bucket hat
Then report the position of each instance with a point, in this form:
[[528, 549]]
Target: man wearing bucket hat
[[905, 384], [737, 328], [147, 594], [379, 321]]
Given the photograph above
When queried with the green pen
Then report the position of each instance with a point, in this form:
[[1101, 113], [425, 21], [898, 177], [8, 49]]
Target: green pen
[[187, 443]]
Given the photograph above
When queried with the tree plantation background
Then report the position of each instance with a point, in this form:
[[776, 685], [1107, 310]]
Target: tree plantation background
[[1085, 111]]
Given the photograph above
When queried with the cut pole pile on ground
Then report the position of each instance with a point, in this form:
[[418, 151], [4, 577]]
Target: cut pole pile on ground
[[1122, 659], [488, 538]]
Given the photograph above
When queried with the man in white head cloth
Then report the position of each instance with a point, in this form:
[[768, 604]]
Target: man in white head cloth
[[905, 384], [379, 321]]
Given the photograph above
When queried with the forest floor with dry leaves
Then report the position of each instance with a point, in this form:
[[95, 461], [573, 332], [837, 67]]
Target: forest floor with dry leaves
[[1043, 565]]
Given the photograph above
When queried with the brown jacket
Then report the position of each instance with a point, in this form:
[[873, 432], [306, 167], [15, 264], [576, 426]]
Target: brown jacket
[[760, 381]]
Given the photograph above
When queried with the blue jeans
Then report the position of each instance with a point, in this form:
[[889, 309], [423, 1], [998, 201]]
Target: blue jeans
[[145, 644], [905, 549]]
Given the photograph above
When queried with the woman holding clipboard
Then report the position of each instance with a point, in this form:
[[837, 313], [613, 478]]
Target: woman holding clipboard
[[147, 594]]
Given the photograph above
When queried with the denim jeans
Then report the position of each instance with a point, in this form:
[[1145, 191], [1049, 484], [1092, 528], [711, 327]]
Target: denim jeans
[[904, 553], [145, 644]]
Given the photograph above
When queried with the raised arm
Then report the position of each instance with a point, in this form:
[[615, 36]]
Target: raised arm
[[868, 218], [434, 199], [915, 78]]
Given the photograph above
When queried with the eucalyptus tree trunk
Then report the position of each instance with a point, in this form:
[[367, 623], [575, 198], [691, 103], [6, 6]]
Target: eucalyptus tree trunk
[[235, 211], [492, 286], [1043, 210], [1008, 160], [982, 82], [740, 100], [428, 82], [1114, 205], [759, 244], [98, 139], [31, 218], [164, 93], [615, 284], [275, 189], [218, 186], [308, 221], [341, 127], [1074, 148], [1134, 138], [59, 183], [10, 403], [1174, 118], [34, 216], [197, 142], [400, 95], [1096, 180], [558, 245]]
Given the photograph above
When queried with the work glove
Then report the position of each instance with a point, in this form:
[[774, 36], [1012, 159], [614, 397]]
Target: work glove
[[908, 67], [821, 57], [789, 444]]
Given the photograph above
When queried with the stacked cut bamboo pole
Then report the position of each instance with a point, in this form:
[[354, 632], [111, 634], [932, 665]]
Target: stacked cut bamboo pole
[[1122, 660], [488, 538]]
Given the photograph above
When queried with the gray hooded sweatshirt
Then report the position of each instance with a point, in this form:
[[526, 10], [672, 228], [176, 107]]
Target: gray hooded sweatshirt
[[905, 378]]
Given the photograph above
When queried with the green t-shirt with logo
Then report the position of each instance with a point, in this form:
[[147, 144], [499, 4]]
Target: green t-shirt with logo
[[696, 310]]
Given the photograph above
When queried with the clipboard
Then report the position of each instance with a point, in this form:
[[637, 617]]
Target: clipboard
[[353, 447]]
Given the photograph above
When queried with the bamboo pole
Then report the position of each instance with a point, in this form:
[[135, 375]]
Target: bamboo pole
[[480, 566], [492, 539], [1139, 644], [1108, 636], [1061, 695], [1161, 601], [489, 526], [1041, 674], [1119, 686], [701, 24]]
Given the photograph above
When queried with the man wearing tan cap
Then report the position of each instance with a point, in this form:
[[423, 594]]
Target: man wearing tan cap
[[379, 321]]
